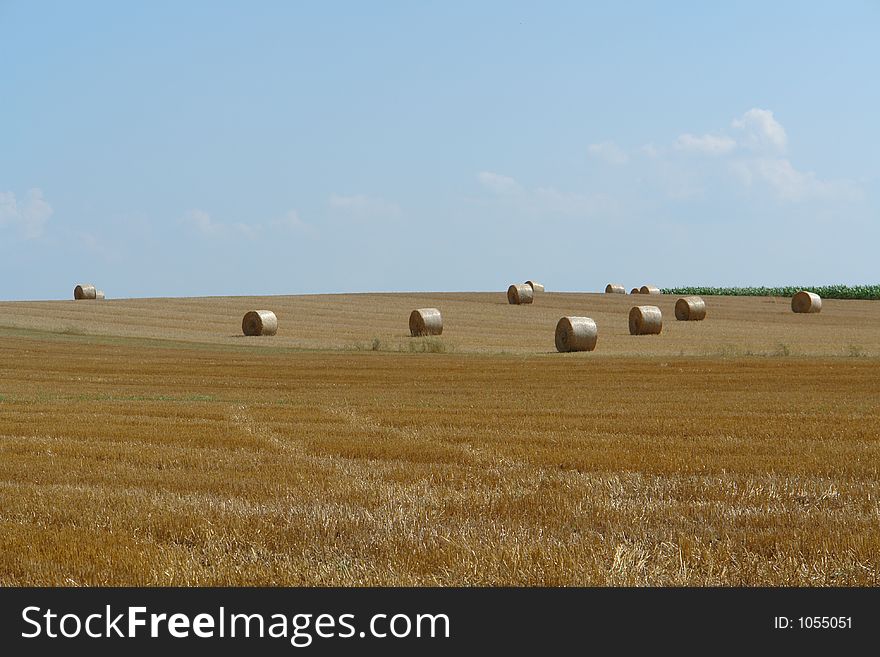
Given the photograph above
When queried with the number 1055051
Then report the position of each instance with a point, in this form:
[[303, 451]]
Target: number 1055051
[[813, 622]]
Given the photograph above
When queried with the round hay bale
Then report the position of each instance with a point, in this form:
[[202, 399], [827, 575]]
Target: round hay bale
[[425, 321], [690, 309], [635, 290], [649, 289], [84, 291], [259, 322], [99, 295], [645, 320], [536, 287], [806, 302], [519, 294], [613, 288], [576, 334]]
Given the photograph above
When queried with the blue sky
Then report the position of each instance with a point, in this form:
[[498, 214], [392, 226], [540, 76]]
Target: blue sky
[[199, 148]]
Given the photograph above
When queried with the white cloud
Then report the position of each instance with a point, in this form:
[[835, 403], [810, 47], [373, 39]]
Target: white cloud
[[205, 224], [747, 156], [742, 170], [29, 217], [293, 222], [250, 231], [761, 130], [609, 152], [709, 144], [790, 184], [541, 200], [760, 142], [681, 182], [360, 204], [8, 207], [650, 150], [498, 183], [758, 130], [99, 246]]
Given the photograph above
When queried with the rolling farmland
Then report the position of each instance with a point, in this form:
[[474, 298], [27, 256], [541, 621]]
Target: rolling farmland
[[148, 442]]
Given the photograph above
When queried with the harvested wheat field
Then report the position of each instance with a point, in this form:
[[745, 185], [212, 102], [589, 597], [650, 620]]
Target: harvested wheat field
[[141, 447]]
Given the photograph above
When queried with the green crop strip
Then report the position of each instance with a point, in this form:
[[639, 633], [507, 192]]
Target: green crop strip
[[824, 291]]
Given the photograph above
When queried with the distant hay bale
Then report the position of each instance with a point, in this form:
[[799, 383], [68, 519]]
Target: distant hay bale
[[635, 290], [519, 294], [645, 320], [576, 334], [649, 289], [806, 302], [99, 294], [85, 291], [425, 321], [259, 322], [536, 287], [690, 309], [613, 288]]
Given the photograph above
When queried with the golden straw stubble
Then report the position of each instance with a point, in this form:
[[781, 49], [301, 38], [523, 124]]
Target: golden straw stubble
[[645, 320], [690, 309], [259, 322], [520, 294], [425, 321], [806, 302], [576, 334]]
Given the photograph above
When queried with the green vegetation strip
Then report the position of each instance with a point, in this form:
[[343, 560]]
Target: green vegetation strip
[[824, 291]]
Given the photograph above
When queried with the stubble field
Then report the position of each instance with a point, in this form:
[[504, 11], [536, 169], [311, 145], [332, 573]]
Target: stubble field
[[147, 442]]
